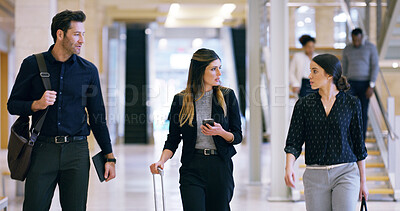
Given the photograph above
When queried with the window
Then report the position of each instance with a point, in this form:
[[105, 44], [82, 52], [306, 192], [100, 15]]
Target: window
[[340, 36], [305, 23]]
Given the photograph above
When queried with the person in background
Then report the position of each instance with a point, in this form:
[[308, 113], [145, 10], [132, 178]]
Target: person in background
[[329, 123], [299, 67], [361, 66], [206, 180], [60, 155]]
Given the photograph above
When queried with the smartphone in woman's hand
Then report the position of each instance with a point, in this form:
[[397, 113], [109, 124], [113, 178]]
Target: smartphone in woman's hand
[[208, 121]]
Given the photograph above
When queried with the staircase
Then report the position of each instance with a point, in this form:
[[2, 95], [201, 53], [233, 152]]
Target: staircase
[[383, 161], [389, 44], [377, 177]]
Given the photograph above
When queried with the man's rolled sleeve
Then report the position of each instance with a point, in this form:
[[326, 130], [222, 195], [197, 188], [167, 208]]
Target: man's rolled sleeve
[[374, 64], [20, 101]]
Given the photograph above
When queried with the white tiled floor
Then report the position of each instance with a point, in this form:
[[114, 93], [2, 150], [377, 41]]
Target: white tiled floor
[[133, 190]]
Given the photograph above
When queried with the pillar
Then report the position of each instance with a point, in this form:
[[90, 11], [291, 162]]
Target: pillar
[[279, 89], [253, 102], [32, 34], [32, 27], [324, 26]]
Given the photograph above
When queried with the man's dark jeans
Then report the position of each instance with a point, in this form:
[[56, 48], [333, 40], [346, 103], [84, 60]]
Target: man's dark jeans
[[358, 89]]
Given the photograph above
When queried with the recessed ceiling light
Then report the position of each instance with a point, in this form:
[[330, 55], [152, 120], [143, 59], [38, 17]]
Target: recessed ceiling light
[[227, 9], [300, 24]]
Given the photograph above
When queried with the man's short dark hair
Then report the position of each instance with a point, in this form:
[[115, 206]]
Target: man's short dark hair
[[356, 32], [63, 21]]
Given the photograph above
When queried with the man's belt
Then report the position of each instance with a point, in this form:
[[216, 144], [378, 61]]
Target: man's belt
[[61, 139]]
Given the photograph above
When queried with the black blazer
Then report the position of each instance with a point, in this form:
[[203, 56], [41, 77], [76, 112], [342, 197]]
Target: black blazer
[[231, 123]]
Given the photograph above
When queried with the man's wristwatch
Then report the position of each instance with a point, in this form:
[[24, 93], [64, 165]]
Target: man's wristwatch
[[372, 84], [114, 160]]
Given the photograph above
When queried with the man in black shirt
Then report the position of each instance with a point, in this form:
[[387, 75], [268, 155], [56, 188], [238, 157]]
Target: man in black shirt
[[60, 155]]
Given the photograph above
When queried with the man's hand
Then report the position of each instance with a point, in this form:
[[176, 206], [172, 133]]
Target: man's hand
[[369, 92], [109, 167], [48, 98]]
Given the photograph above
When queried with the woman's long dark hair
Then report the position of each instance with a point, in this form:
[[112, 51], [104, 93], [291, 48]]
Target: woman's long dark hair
[[195, 84], [332, 67]]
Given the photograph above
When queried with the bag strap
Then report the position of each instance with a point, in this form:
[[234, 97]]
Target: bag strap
[[43, 71], [363, 204], [47, 85]]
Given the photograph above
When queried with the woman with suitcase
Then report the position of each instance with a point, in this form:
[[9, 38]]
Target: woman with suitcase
[[206, 180]]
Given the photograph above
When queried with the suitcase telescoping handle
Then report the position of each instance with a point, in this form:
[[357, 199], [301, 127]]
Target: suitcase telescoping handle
[[161, 172]]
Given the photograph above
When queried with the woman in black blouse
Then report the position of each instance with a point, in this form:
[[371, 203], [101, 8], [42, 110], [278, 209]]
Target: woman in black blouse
[[329, 123], [206, 180]]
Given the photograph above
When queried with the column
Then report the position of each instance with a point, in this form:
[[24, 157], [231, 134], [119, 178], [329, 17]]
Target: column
[[32, 27], [367, 19], [325, 27], [279, 89], [253, 102], [378, 20], [32, 34], [3, 99], [94, 26], [292, 27], [92, 49], [70, 5]]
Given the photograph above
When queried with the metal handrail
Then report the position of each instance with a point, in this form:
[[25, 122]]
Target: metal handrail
[[382, 33], [391, 132], [386, 22], [384, 83]]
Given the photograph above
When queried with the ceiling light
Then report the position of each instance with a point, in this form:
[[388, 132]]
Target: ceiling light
[[227, 9], [162, 43], [197, 43], [173, 9], [147, 31], [300, 24], [342, 35], [122, 36], [217, 21], [340, 18], [307, 20], [172, 13], [339, 45], [303, 9]]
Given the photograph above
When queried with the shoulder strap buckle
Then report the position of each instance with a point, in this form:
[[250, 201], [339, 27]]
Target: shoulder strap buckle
[[44, 74]]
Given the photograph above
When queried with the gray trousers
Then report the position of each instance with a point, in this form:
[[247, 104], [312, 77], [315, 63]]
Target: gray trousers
[[335, 189]]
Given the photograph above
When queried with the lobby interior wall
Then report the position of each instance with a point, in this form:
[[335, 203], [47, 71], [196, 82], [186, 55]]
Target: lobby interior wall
[[3, 99], [325, 25]]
